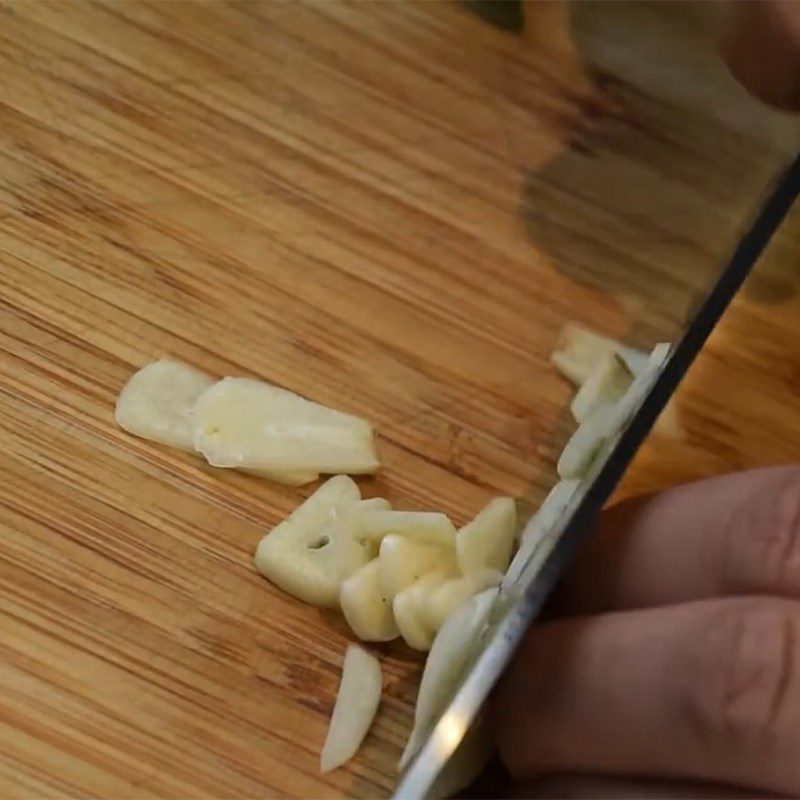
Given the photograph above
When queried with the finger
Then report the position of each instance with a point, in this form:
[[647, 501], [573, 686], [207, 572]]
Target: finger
[[734, 535], [597, 787], [762, 49], [706, 691]]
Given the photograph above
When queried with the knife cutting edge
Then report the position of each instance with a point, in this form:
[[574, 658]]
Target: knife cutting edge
[[522, 609]]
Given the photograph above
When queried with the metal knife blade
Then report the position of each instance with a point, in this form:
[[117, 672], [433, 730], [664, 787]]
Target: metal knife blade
[[515, 612]]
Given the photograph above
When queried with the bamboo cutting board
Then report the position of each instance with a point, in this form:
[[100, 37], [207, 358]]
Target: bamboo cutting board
[[391, 208]]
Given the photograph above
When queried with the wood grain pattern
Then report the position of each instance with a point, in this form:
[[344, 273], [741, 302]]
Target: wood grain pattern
[[389, 207]]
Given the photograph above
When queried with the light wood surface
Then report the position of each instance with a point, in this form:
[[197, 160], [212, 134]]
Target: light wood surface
[[391, 208]]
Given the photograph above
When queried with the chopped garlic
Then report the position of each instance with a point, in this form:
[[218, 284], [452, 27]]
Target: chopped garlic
[[356, 705], [314, 549], [487, 541], [249, 424], [156, 403]]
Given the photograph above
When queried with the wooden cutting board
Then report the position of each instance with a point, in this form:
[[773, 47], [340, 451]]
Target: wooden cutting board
[[391, 208]]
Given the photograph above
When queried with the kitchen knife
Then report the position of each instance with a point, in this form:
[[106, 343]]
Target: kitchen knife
[[518, 604]]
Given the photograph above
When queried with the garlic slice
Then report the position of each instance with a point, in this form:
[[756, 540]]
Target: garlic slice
[[356, 705], [157, 401], [453, 593], [414, 633], [366, 610], [551, 509], [309, 553], [245, 423], [587, 440], [408, 604], [607, 421], [603, 424], [578, 351], [540, 526], [456, 641], [423, 526], [635, 395], [606, 385], [367, 507], [487, 541], [402, 561]]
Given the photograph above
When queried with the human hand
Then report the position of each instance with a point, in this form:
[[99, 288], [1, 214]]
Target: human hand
[[762, 49], [672, 668]]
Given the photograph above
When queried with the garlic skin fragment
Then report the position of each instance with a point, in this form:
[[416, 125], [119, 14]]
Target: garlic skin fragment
[[310, 552], [157, 402], [249, 424], [356, 705], [487, 541], [366, 610]]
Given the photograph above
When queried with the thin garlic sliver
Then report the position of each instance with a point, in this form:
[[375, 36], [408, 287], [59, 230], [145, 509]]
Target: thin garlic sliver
[[356, 705]]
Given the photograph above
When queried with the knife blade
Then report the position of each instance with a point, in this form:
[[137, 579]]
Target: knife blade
[[516, 610]]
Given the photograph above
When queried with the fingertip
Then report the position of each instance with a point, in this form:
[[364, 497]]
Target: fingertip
[[761, 47]]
